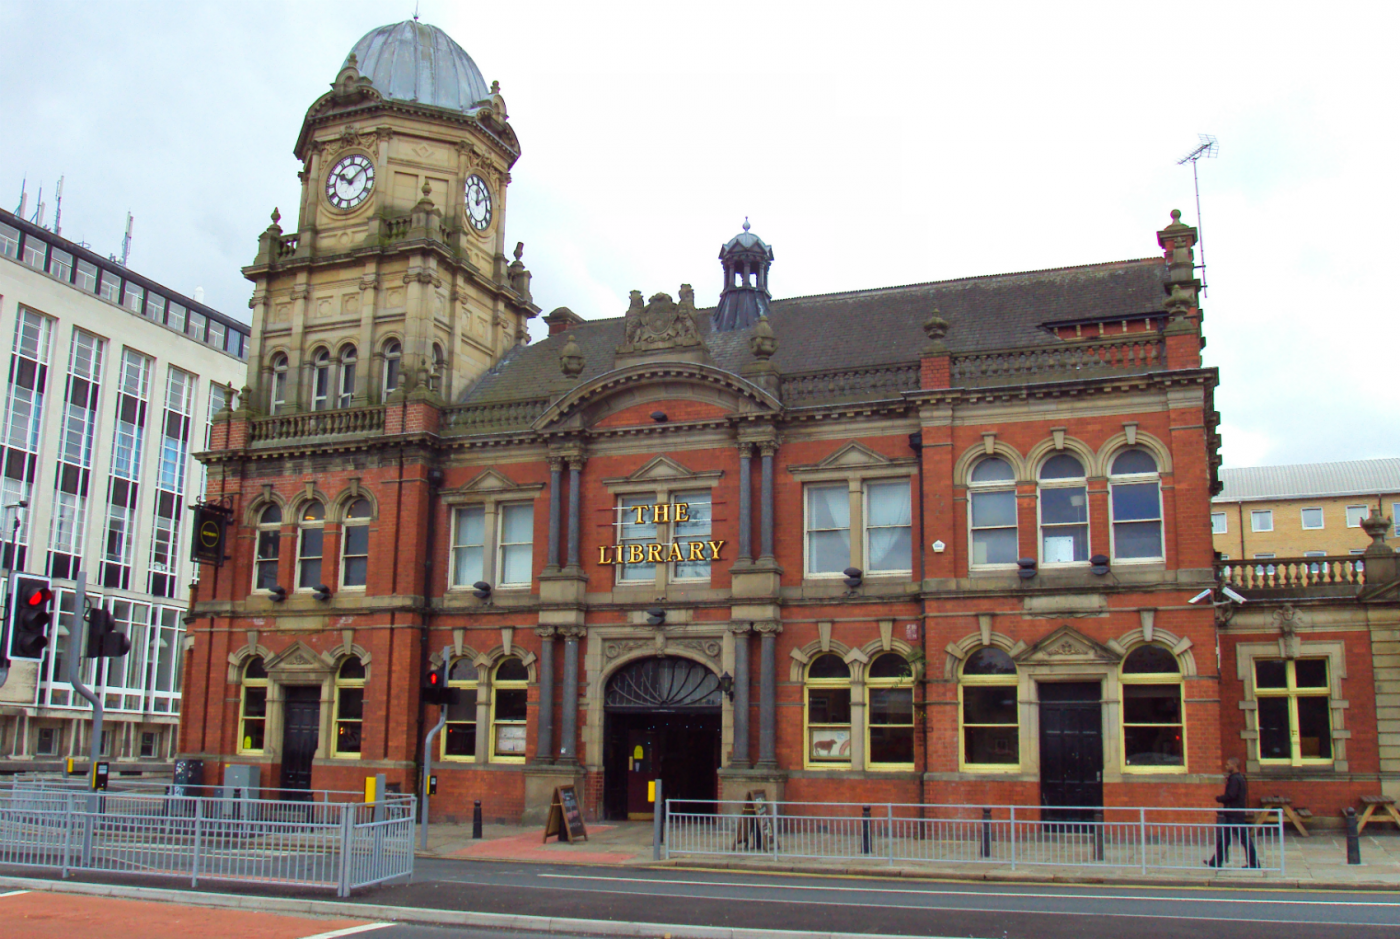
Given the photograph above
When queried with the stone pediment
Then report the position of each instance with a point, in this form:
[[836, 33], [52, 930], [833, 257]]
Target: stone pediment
[[1067, 646], [852, 455], [298, 658], [660, 469], [489, 481]]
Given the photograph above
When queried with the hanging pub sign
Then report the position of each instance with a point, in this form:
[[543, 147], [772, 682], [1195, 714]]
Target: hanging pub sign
[[210, 528], [636, 552]]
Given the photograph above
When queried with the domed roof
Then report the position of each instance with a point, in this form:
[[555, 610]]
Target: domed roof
[[412, 61], [746, 239]]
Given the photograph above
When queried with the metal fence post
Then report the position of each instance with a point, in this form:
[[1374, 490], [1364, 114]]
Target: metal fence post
[[1282, 855], [986, 832], [1098, 824], [347, 826], [1142, 837], [1013, 837], [773, 835], [658, 819], [889, 831], [198, 836], [865, 829], [67, 832]]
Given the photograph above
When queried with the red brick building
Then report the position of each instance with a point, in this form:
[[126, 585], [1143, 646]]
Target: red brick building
[[926, 543]]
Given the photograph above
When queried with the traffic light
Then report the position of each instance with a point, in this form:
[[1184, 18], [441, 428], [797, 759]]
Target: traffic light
[[31, 609], [435, 690], [104, 641]]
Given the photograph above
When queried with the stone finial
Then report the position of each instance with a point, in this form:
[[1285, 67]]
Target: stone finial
[[635, 302], [427, 191], [276, 218], [763, 343], [495, 88], [571, 359], [352, 60], [519, 249], [935, 328], [1376, 525]]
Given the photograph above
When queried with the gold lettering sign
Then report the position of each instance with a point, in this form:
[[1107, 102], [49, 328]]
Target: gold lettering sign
[[659, 553]]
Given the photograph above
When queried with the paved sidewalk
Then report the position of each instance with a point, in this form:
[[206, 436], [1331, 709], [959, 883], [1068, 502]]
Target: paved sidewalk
[[1316, 862]]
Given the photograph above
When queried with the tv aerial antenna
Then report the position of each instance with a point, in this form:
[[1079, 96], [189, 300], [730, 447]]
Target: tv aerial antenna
[[1209, 147]]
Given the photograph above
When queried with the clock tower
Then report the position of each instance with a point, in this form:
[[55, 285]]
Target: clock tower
[[395, 280]]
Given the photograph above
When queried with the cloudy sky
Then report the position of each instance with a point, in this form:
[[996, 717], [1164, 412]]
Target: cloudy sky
[[870, 143]]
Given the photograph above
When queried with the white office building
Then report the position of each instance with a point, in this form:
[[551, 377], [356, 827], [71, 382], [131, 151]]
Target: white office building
[[111, 380]]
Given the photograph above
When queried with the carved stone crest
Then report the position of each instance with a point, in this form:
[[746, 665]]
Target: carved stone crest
[[661, 323]]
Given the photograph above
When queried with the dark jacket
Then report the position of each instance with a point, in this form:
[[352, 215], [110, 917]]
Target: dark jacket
[[1236, 794]]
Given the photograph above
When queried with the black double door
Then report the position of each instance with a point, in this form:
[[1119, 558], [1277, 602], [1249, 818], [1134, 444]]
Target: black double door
[[680, 748], [301, 728], [1071, 750]]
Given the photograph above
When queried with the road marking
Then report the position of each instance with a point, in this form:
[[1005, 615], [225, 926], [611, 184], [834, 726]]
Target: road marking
[[970, 893], [347, 931], [13, 893]]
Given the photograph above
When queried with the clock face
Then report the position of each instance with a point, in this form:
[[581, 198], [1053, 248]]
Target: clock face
[[478, 203], [350, 182]]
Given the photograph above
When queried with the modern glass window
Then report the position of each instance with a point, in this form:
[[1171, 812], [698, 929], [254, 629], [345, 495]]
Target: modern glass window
[[311, 525], [1153, 731], [86, 278], [828, 529], [155, 307], [34, 251], [47, 742], [252, 711], [1293, 698], [347, 377], [1064, 511], [1135, 501], [828, 690], [459, 739], [320, 379], [176, 317], [887, 527], [1312, 518], [9, 241], [889, 689], [269, 548], [1219, 523], [217, 332], [991, 506], [174, 438], [349, 708], [1262, 520], [508, 694], [991, 725], [1356, 514], [277, 402], [60, 265], [74, 471], [694, 529], [636, 528], [354, 544], [110, 287], [128, 444], [516, 544], [133, 297], [148, 744], [24, 412], [468, 545], [196, 324], [393, 356]]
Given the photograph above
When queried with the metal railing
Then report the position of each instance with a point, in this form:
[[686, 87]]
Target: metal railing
[[332, 845], [1015, 835]]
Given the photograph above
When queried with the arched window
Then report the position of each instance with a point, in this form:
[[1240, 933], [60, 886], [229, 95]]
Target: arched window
[[320, 380], [828, 690], [252, 709], [311, 537], [354, 544], [277, 399], [889, 689], [349, 708], [347, 377], [991, 725], [439, 368], [1064, 511], [1135, 499], [393, 356], [459, 741], [269, 548], [1152, 727], [991, 506], [508, 694]]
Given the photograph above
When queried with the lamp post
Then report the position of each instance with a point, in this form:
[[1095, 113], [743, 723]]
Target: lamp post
[[7, 546]]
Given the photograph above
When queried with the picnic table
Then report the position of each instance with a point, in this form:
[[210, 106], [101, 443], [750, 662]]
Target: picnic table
[[1275, 804]]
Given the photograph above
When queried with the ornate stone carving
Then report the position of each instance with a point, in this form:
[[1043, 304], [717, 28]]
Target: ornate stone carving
[[773, 628], [545, 632], [1064, 648], [763, 343], [661, 323], [571, 360], [708, 648], [1288, 618], [619, 647], [349, 138], [741, 629]]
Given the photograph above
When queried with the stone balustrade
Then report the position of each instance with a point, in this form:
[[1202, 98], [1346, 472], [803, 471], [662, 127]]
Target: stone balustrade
[[1095, 358], [492, 417], [852, 384], [316, 424], [1318, 575]]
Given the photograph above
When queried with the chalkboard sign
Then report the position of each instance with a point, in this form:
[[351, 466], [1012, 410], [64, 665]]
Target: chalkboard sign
[[755, 828], [565, 819]]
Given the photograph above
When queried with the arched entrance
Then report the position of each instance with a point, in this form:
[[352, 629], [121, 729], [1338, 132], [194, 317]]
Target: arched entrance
[[661, 720]]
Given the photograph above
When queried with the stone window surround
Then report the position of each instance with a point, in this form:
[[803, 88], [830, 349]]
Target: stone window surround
[[1295, 648], [340, 684], [856, 476], [491, 499], [485, 664], [661, 488]]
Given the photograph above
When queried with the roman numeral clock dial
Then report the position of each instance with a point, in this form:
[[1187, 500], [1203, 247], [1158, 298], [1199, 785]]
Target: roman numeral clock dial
[[478, 199], [350, 182]]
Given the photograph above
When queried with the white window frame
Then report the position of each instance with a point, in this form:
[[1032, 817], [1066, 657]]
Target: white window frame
[[273, 528], [1134, 479], [1254, 519], [994, 487], [688, 488], [348, 522], [867, 528], [1360, 517], [1224, 527], [490, 504], [277, 394], [502, 545], [1303, 518], [343, 685], [349, 360], [1068, 482], [321, 379], [303, 525], [461, 685]]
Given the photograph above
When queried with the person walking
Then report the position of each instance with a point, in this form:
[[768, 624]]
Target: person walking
[[1232, 821]]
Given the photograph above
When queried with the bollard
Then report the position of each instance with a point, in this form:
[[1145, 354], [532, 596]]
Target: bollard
[[476, 819], [658, 821], [1098, 835], [986, 832], [865, 830], [1353, 838]]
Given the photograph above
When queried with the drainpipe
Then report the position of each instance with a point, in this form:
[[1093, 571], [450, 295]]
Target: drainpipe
[[424, 649], [916, 443]]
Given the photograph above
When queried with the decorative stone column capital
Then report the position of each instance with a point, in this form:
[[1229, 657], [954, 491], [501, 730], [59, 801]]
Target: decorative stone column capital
[[766, 629], [741, 629], [546, 632], [556, 463], [572, 632], [768, 447]]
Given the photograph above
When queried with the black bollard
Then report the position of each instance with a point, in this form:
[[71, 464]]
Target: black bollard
[[1353, 838], [476, 819], [1098, 835], [986, 832], [865, 830]]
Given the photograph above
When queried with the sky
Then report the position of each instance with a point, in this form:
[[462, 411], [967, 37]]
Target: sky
[[870, 144]]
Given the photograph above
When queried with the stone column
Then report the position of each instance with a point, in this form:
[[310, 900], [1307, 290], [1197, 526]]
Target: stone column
[[739, 757], [768, 694], [769, 450], [745, 503], [556, 466], [544, 742], [568, 725], [575, 468]]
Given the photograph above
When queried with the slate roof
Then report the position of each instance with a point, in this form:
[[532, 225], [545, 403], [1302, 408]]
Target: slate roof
[[868, 327], [1310, 480]]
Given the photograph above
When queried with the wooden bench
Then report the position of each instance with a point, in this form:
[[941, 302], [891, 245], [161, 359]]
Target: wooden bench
[[1284, 804], [1385, 803]]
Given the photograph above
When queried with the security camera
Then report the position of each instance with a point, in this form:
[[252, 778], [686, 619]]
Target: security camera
[[1232, 595], [1203, 595]]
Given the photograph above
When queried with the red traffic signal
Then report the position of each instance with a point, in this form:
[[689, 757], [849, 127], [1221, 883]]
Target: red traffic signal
[[30, 614], [435, 690]]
